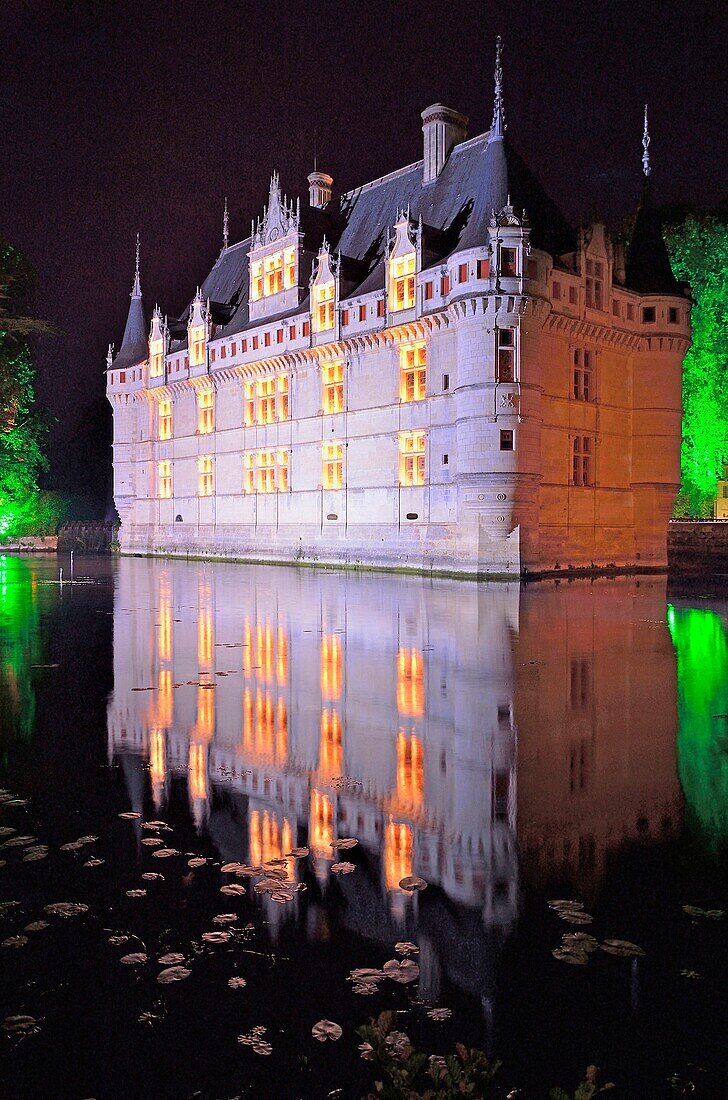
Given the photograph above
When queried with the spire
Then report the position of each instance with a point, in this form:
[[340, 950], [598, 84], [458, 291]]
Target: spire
[[134, 348], [498, 126], [110, 357], [225, 226], [136, 290], [646, 147]]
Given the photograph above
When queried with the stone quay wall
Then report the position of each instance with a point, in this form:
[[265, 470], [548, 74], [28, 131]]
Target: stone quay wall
[[696, 547]]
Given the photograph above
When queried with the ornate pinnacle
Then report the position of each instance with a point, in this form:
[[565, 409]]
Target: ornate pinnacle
[[498, 127], [646, 147], [225, 225], [136, 290]]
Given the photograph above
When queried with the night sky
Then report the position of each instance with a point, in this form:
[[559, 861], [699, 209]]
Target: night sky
[[121, 116]]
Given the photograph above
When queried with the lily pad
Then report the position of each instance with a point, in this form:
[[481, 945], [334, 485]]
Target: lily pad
[[342, 868], [66, 909], [173, 974], [136, 958], [411, 883], [623, 948], [326, 1030]]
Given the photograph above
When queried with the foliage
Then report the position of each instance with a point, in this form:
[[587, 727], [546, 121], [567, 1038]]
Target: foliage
[[698, 247], [588, 1088], [413, 1076], [22, 430]]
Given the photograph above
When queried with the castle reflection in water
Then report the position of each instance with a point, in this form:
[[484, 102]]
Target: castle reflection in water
[[485, 737]]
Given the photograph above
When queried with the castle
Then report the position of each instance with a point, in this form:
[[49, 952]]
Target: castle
[[433, 371]]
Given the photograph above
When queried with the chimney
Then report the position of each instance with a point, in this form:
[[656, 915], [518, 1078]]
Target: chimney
[[319, 188], [442, 128]]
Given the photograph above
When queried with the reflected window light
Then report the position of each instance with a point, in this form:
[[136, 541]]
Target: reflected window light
[[197, 771], [282, 667], [205, 724], [247, 648], [157, 759], [164, 637], [398, 844], [410, 770], [331, 666], [165, 698], [321, 825], [282, 731], [248, 728], [331, 753], [410, 682], [268, 839]]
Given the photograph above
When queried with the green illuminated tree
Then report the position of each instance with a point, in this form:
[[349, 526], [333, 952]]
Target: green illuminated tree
[[23, 508], [698, 247]]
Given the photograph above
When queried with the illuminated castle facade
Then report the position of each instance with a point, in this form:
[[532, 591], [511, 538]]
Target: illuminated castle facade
[[432, 371]]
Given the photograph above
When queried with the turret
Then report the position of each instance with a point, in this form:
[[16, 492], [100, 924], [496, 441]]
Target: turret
[[648, 269], [134, 348]]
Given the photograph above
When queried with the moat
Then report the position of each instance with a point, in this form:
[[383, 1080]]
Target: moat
[[509, 745]]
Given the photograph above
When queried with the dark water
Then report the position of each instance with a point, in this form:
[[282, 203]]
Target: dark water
[[508, 745]]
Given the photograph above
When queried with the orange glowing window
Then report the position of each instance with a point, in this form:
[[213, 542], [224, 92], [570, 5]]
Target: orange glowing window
[[412, 458], [282, 471], [197, 345], [410, 682], [282, 386], [249, 407], [333, 465], [164, 475], [156, 358], [413, 373], [290, 268], [205, 411], [330, 666], [266, 400], [331, 753], [410, 770], [322, 313], [402, 282], [256, 280], [273, 269], [321, 825], [164, 419], [332, 381], [205, 722], [249, 472], [197, 771], [398, 845], [266, 465], [204, 476]]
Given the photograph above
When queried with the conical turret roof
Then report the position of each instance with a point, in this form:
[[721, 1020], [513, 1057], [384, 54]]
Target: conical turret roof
[[648, 269], [134, 347]]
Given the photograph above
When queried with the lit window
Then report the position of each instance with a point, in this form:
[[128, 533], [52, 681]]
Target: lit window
[[204, 476], [165, 480], [583, 388], [333, 465], [266, 464], [164, 419], [282, 471], [402, 282], [249, 468], [330, 667], [413, 373], [412, 458], [283, 397], [582, 460], [410, 683], [197, 345], [249, 404], [508, 262], [156, 352], [290, 268], [506, 354], [266, 401], [205, 402], [273, 269], [322, 314], [332, 378], [256, 280]]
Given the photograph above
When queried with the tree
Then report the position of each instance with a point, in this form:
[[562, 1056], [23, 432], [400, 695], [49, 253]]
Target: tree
[[23, 508], [698, 247]]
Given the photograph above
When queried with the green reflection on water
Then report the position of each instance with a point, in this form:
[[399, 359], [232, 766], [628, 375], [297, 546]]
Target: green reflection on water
[[699, 638], [20, 647]]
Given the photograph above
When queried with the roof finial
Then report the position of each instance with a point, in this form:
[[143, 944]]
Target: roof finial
[[498, 127], [646, 147], [225, 225], [136, 290]]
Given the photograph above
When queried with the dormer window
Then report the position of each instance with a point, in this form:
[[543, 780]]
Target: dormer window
[[156, 345], [289, 268], [197, 332], [273, 267], [402, 266], [275, 242], [594, 284], [508, 262], [256, 280], [323, 306]]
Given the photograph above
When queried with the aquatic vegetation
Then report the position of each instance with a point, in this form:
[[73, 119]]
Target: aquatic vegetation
[[66, 909], [173, 974], [136, 958], [325, 1030], [412, 883]]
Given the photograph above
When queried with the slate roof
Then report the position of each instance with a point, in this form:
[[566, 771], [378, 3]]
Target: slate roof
[[648, 269], [134, 346], [478, 177]]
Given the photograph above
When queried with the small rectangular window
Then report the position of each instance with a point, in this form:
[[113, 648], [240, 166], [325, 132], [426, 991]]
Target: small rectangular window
[[505, 370], [648, 314], [446, 381], [413, 373], [165, 480], [362, 313], [292, 332], [205, 411], [483, 269], [233, 348], [506, 439], [445, 460], [332, 460], [445, 285], [428, 292], [212, 356], [673, 316], [380, 307], [345, 316], [266, 339], [582, 450], [615, 307], [412, 458], [204, 475], [305, 328], [463, 273], [122, 377], [572, 295], [630, 312], [532, 269], [255, 343], [557, 292], [508, 259], [279, 336], [244, 346], [223, 352]]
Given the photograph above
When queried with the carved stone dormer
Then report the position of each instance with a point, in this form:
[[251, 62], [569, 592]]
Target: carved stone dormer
[[404, 260], [158, 344], [596, 263], [198, 331], [275, 255], [508, 232], [324, 294]]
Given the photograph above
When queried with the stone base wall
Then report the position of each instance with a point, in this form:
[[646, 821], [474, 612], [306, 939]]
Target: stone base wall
[[31, 544], [697, 547]]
